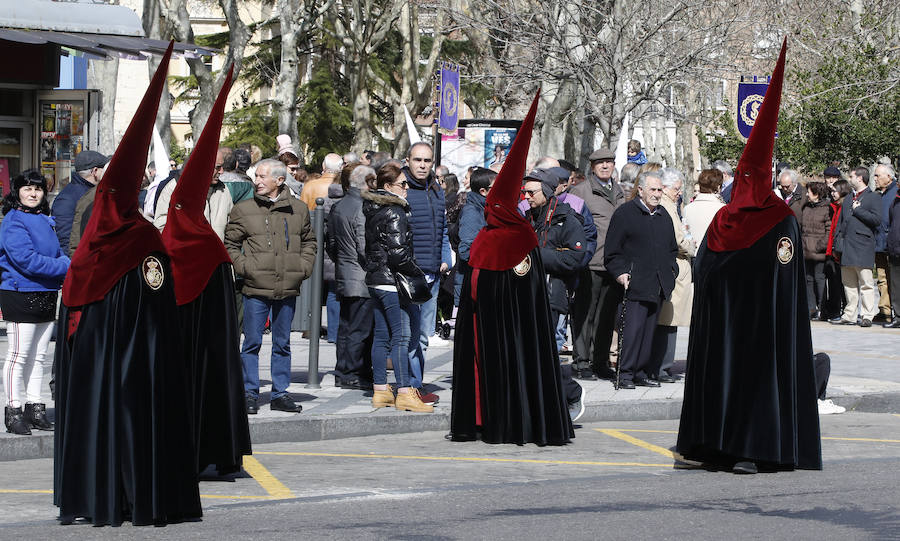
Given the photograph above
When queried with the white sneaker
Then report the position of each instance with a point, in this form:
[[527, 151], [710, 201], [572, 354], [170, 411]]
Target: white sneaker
[[438, 342], [827, 407], [576, 409]]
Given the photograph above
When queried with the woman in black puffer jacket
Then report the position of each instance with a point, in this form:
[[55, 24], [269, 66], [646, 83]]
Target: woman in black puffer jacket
[[389, 251], [815, 222]]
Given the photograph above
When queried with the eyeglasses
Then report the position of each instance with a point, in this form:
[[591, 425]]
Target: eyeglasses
[[402, 184], [530, 193]]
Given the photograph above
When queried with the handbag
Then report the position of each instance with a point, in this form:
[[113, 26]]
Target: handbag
[[412, 289]]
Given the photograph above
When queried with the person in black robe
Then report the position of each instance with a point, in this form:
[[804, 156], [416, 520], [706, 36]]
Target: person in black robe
[[750, 388], [507, 386], [207, 316], [123, 410]]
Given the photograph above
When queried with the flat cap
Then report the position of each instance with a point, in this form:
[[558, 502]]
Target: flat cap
[[89, 159], [602, 154], [832, 171]]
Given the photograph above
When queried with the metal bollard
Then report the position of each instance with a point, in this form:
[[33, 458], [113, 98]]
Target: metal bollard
[[315, 293]]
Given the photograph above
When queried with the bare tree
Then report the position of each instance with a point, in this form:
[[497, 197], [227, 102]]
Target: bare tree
[[296, 18], [178, 24], [361, 26], [151, 20]]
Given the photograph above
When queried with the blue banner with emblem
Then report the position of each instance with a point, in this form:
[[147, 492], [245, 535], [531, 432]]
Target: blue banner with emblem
[[750, 97], [449, 97]]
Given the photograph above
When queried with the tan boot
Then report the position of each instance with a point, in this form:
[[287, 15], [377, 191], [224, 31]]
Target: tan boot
[[383, 399], [410, 401]]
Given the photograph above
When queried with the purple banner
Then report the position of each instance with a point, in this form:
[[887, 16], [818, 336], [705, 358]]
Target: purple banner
[[750, 97], [449, 101]]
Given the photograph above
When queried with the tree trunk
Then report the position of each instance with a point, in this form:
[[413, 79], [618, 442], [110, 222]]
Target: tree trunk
[[102, 75], [151, 23], [362, 115], [289, 73]]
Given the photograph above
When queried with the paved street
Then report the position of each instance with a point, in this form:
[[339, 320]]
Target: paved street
[[615, 482]]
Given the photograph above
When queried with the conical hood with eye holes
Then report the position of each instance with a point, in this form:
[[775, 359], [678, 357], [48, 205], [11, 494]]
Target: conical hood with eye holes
[[192, 244], [118, 238], [754, 208], [508, 237]]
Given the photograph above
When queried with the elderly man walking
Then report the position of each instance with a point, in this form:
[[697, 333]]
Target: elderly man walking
[[640, 253], [273, 248]]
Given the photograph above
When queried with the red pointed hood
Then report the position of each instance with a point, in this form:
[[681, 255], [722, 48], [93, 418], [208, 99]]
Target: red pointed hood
[[194, 247], [508, 237], [754, 208], [117, 237]]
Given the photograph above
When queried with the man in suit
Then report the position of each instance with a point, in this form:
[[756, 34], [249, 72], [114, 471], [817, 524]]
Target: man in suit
[[855, 240], [727, 178]]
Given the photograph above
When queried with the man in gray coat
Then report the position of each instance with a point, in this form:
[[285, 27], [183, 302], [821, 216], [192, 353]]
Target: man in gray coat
[[597, 294], [855, 240], [345, 241]]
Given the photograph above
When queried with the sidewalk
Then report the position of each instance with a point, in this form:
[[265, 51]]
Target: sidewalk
[[865, 376]]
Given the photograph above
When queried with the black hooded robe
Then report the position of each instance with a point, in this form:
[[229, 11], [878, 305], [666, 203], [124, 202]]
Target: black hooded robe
[[211, 341], [515, 375], [750, 388], [124, 430]]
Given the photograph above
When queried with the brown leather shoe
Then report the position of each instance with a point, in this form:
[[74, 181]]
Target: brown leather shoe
[[410, 401], [383, 399]]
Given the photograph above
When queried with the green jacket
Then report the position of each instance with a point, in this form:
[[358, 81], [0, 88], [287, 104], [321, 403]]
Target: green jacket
[[271, 244]]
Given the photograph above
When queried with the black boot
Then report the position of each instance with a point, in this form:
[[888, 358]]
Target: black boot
[[15, 422], [36, 416]]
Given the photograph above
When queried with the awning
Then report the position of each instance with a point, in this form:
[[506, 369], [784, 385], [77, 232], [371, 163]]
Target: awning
[[79, 17], [103, 45]]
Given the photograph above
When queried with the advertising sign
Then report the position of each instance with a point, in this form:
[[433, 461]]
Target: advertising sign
[[482, 143]]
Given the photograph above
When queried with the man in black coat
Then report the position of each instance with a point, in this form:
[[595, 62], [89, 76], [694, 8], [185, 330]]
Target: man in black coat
[[560, 233], [346, 245], [640, 253], [855, 238]]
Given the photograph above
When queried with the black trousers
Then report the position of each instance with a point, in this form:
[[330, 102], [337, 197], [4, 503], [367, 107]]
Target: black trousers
[[894, 284], [822, 367], [593, 318], [571, 388], [354, 338], [637, 339], [815, 284], [662, 353], [833, 303]]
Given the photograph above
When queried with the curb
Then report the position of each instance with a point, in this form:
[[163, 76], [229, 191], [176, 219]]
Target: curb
[[333, 427]]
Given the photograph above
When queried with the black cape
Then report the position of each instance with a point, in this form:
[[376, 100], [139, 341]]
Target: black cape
[[519, 387], [124, 427], [750, 388], [212, 345]]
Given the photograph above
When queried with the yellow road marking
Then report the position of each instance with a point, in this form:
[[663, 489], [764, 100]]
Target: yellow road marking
[[896, 414], [644, 430], [634, 441], [273, 486], [466, 459], [213, 496], [861, 439]]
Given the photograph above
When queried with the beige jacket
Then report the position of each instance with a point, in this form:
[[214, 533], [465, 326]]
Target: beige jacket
[[699, 214], [676, 311], [218, 206]]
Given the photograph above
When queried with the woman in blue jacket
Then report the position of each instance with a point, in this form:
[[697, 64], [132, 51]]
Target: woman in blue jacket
[[33, 267]]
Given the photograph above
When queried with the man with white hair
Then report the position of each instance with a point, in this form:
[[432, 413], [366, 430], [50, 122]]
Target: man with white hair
[[316, 188], [790, 190], [885, 185], [345, 242], [728, 176]]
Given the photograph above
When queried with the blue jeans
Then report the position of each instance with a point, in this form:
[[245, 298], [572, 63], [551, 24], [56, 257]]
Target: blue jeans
[[561, 332], [256, 310], [332, 311], [429, 316], [392, 337]]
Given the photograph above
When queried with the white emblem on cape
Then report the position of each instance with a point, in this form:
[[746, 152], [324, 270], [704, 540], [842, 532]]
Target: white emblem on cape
[[153, 272], [785, 250], [522, 268]]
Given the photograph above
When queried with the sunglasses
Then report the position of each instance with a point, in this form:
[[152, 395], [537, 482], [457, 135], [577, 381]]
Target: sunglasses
[[402, 184], [530, 193]]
